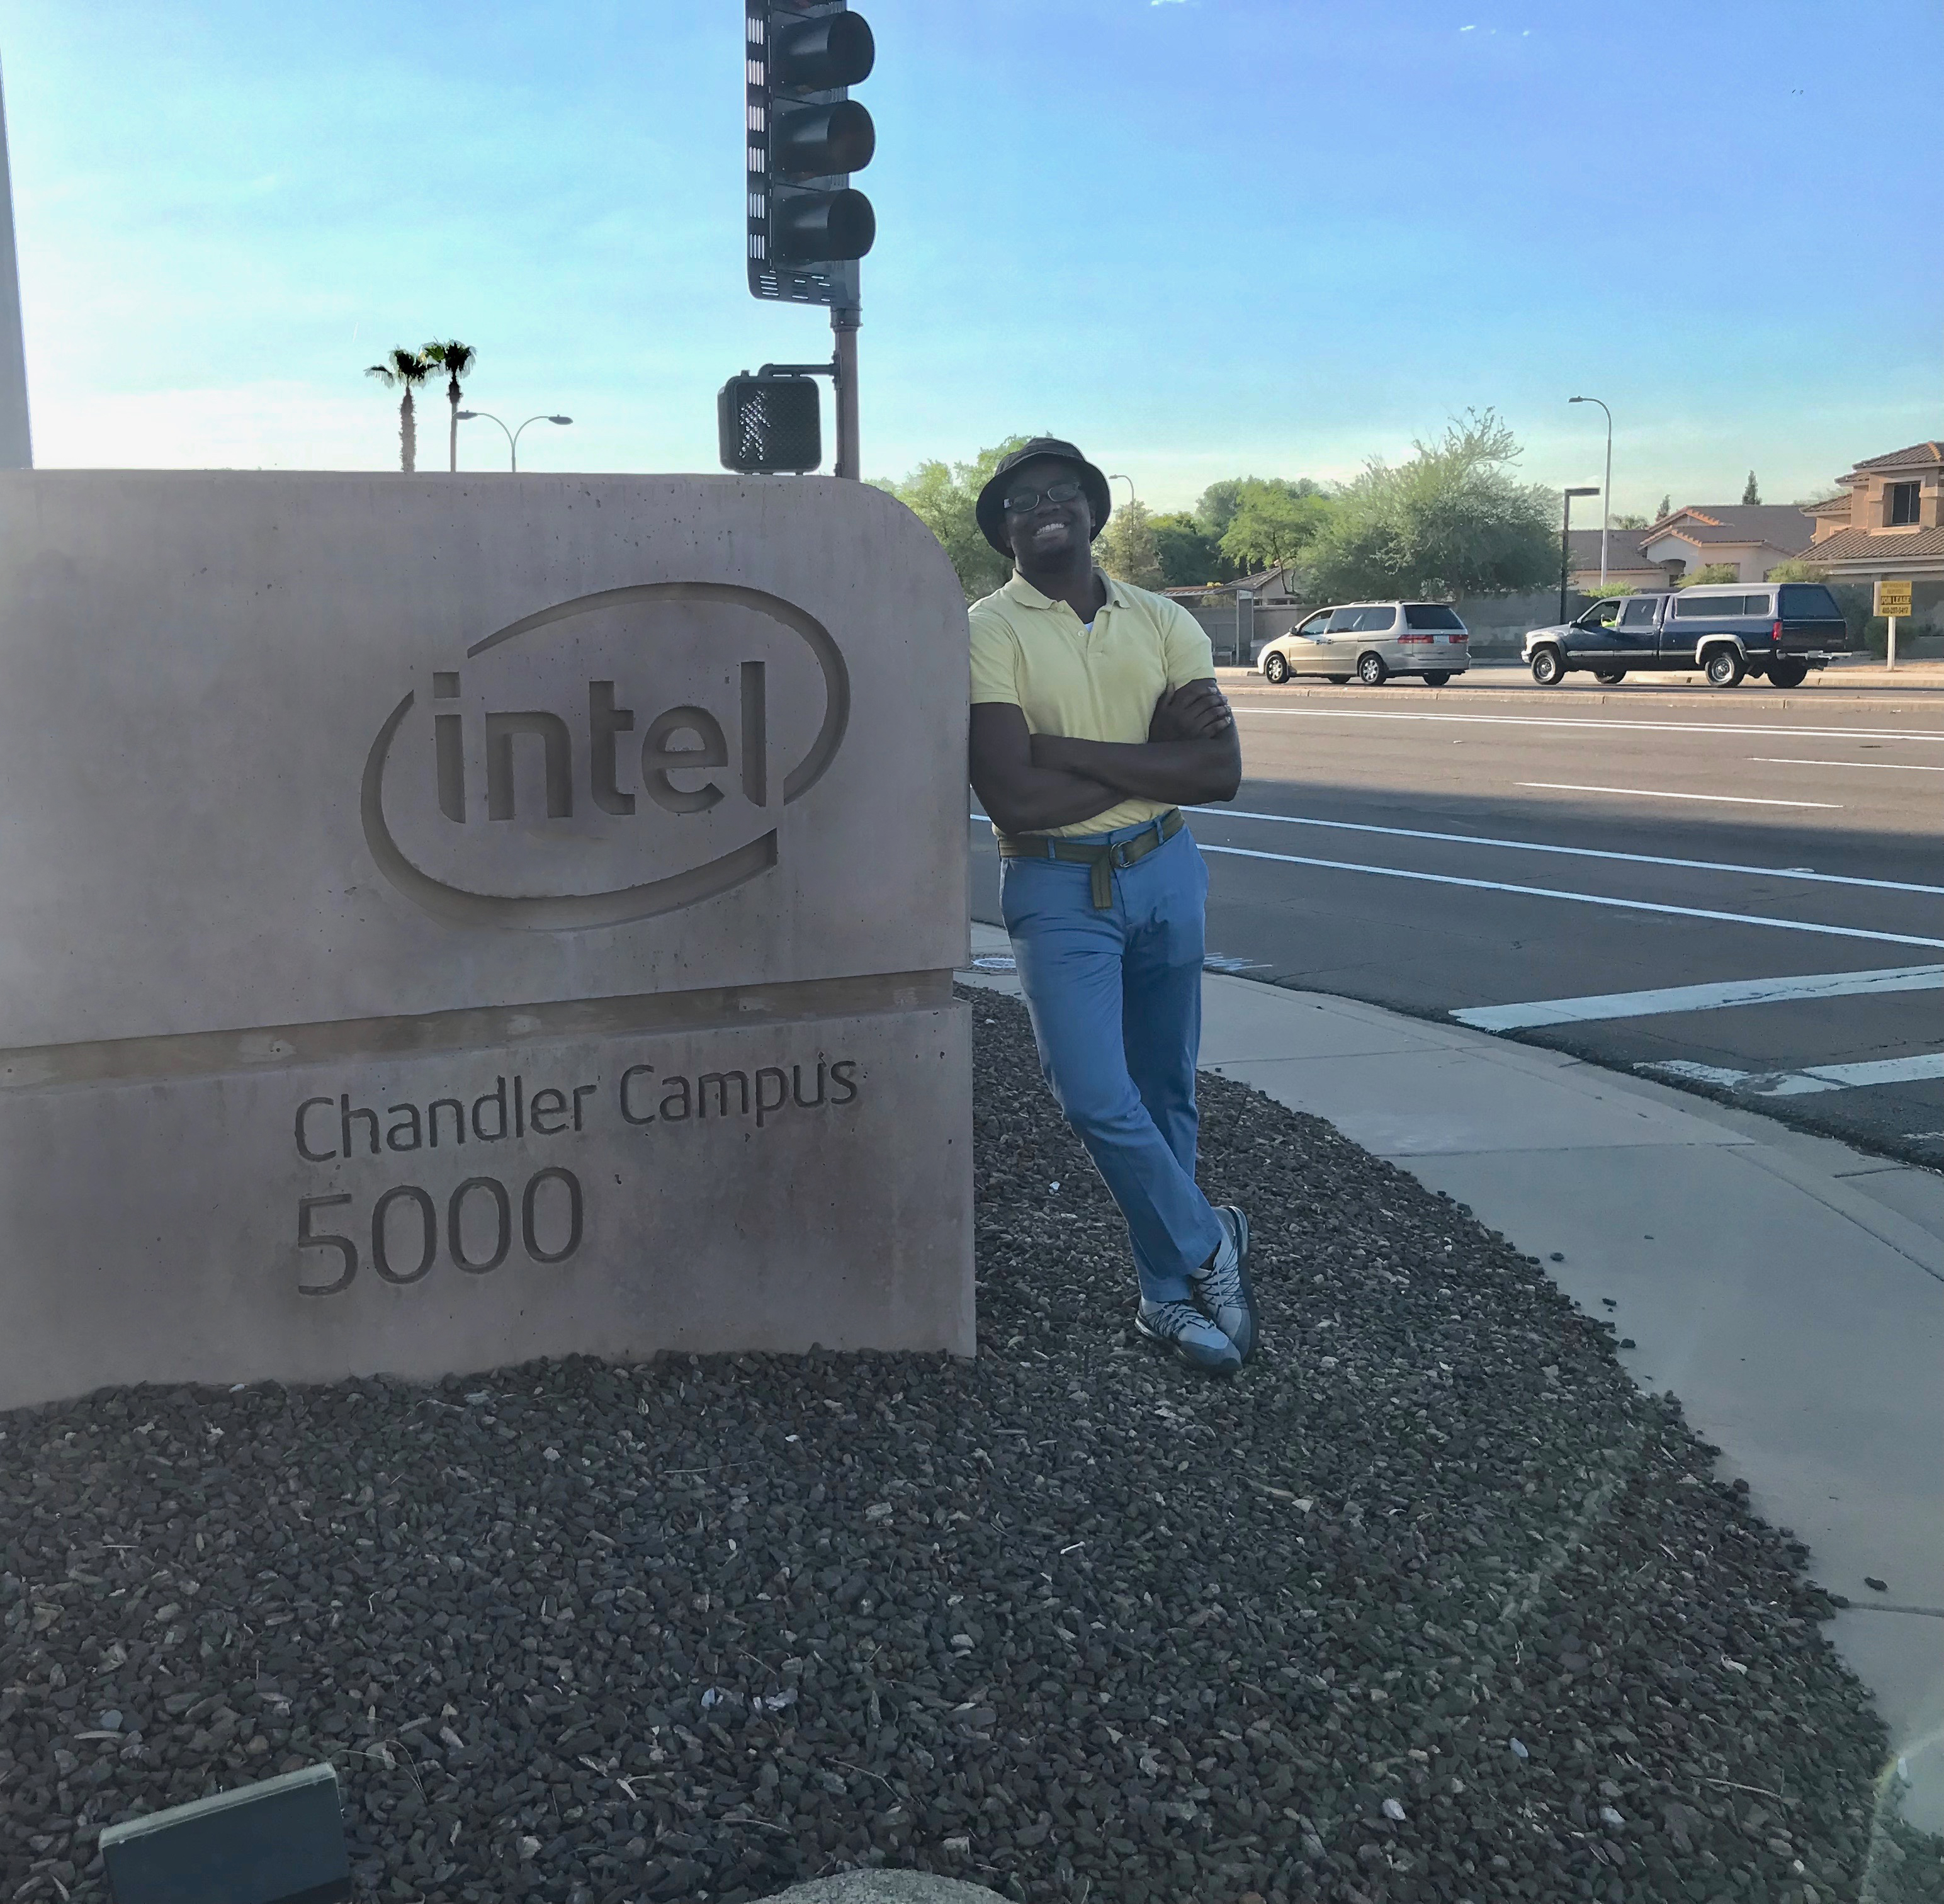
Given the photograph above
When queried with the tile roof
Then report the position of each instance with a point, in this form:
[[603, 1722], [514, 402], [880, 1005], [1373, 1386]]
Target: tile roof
[[1918, 455], [1879, 550], [1623, 551], [1781, 525]]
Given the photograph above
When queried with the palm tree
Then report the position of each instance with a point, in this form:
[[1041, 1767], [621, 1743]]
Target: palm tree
[[410, 368], [456, 359]]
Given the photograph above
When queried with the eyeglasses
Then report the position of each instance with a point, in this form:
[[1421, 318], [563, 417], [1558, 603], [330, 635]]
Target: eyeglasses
[[1062, 491]]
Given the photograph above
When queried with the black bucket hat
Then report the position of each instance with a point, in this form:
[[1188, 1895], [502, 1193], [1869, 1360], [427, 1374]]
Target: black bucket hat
[[989, 508]]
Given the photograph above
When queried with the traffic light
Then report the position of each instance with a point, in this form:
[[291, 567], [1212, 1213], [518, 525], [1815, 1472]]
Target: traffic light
[[770, 422], [806, 136]]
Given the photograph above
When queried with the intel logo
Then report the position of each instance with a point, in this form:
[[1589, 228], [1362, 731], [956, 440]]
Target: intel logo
[[618, 756]]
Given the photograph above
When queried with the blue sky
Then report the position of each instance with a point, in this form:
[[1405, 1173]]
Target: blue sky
[[1201, 237]]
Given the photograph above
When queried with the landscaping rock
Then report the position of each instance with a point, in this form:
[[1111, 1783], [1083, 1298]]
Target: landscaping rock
[[1066, 1622], [887, 1887]]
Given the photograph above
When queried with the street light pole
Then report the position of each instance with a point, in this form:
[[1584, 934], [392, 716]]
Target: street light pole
[[16, 443], [1607, 494], [1129, 480], [1566, 544], [512, 436]]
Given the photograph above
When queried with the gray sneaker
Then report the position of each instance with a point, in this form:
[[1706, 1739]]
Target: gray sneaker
[[1223, 1287], [1183, 1328]]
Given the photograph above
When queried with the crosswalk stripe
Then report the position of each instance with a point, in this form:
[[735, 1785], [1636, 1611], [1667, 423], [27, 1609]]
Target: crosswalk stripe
[[1598, 1006], [1916, 1069]]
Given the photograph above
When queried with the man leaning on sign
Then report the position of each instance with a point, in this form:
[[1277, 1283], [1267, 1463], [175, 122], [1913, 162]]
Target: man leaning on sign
[[1094, 712]]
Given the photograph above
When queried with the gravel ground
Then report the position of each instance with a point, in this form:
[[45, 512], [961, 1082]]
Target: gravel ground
[[1427, 1604]]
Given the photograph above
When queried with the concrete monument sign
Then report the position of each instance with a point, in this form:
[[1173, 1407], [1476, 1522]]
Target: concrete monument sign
[[448, 920]]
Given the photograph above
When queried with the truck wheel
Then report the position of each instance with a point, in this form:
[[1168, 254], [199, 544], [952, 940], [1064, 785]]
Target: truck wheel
[[1275, 670], [1609, 677], [1787, 674], [1371, 671], [1547, 667], [1723, 668], [1434, 677]]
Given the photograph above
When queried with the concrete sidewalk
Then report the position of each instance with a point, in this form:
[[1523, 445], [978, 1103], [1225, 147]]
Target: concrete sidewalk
[[1788, 1290]]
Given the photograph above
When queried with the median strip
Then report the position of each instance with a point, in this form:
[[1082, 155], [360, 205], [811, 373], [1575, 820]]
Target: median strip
[[1583, 899]]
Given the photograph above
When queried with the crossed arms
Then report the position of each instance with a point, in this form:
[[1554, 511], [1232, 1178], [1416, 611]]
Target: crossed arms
[[1029, 782]]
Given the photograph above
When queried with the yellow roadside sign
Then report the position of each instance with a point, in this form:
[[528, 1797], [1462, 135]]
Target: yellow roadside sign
[[1892, 598]]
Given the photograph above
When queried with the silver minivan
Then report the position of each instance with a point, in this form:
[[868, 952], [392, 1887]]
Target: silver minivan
[[1372, 640]]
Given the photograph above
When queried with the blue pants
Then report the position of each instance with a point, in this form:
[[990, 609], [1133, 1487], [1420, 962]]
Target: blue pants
[[1115, 997]]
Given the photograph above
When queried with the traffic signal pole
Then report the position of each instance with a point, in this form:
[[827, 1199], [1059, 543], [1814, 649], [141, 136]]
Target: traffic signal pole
[[807, 226], [843, 327]]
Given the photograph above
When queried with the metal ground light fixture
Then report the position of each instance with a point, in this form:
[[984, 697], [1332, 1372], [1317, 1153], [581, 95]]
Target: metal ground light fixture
[[512, 435], [278, 1842], [1566, 542]]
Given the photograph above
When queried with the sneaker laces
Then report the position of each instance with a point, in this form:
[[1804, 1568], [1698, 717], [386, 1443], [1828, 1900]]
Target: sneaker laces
[[1175, 1320], [1221, 1281]]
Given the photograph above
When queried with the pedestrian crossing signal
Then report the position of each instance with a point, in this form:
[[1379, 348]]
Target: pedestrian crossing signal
[[768, 423]]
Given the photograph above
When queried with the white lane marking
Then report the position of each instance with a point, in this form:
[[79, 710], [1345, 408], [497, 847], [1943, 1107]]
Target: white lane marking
[[1636, 726], [1579, 852], [1654, 793], [1882, 766], [1598, 1006], [1916, 1069], [1585, 899]]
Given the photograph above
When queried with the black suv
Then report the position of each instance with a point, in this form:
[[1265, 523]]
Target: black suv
[[1726, 630]]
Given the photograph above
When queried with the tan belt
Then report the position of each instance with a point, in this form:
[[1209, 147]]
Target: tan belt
[[1103, 859]]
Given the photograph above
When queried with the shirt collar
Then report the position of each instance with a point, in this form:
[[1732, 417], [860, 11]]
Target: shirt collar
[[1020, 590]]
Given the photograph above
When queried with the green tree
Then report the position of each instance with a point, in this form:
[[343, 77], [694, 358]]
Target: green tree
[[1712, 572], [1750, 492], [943, 495], [457, 360], [1128, 549], [406, 369], [1665, 511], [1453, 521], [1275, 521], [1628, 522], [1215, 508], [1190, 555]]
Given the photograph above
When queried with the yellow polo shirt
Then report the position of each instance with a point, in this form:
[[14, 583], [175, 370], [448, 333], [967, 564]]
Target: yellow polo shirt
[[1097, 684]]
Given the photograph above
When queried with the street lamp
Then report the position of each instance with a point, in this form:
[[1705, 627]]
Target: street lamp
[[1566, 543], [1129, 480], [512, 436], [1606, 513]]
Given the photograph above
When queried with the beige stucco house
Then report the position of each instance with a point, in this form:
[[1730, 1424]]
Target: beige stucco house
[[1888, 519], [1886, 523], [1750, 537], [1626, 566]]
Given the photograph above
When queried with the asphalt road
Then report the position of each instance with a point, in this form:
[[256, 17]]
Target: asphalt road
[[1534, 861]]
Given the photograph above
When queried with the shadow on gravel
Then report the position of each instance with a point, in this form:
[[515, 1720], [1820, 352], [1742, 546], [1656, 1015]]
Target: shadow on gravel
[[1429, 1603]]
